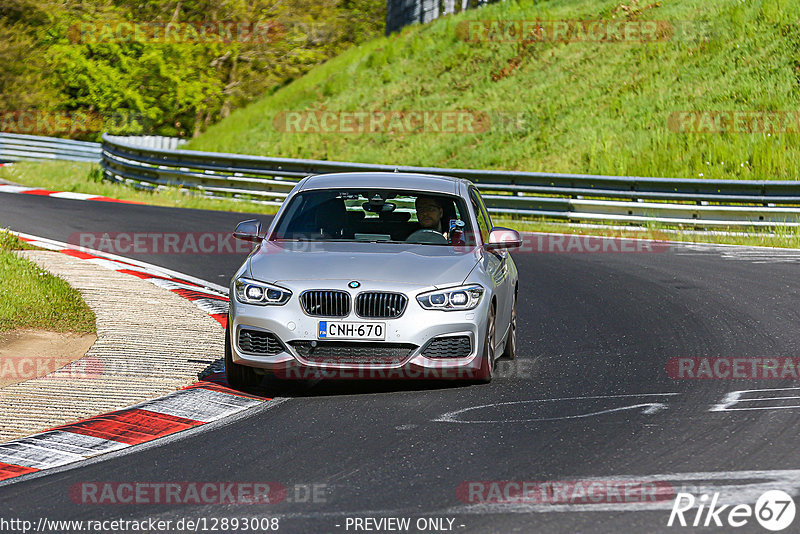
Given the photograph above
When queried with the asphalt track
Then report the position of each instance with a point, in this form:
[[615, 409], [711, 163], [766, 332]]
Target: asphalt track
[[589, 396]]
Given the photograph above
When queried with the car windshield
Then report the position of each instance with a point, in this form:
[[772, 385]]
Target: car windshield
[[376, 215]]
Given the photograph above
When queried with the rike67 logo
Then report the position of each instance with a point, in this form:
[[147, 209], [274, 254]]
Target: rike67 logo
[[774, 510]]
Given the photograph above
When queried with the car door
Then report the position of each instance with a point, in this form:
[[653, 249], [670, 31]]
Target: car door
[[495, 264]]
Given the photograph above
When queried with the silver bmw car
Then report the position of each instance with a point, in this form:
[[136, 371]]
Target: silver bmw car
[[374, 275]]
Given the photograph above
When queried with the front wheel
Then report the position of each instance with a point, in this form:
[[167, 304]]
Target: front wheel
[[486, 370], [239, 376]]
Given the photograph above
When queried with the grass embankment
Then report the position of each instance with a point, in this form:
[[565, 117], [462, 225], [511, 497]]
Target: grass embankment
[[589, 107], [86, 178], [33, 298], [582, 107]]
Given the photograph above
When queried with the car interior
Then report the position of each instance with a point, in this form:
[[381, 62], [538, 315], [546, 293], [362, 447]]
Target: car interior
[[362, 216]]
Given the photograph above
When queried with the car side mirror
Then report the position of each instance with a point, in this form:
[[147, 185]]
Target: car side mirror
[[503, 238], [249, 231]]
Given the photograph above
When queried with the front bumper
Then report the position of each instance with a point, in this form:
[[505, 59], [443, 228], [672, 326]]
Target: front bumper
[[417, 327]]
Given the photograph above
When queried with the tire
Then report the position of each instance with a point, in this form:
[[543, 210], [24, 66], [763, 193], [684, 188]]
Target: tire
[[239, 376], [486, 370], [510, 351]]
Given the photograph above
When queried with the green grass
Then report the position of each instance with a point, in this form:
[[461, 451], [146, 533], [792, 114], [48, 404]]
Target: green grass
[[86, 178], [589, 107], [33, 298]]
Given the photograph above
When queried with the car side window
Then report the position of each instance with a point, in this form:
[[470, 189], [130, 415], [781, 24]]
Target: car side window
[[480, 214]]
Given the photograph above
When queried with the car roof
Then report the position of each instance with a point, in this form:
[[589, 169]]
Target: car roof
[[389, 180]]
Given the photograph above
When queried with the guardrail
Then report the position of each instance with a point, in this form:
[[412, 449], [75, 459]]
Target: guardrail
[[572, 197], [149, 141], [19, 147], [566, 197]]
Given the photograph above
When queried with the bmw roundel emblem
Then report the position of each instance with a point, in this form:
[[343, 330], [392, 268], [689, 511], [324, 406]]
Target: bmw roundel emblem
[[354, 284]]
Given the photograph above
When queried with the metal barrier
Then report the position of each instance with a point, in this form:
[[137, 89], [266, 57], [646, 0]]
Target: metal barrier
[[572, 197], [19, 147], [149, 141], [567, 197]]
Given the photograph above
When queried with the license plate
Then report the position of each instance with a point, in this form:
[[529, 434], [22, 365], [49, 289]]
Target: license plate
[[351, 330]]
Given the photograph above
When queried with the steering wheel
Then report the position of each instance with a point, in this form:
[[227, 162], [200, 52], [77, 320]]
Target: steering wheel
[[427, 236]]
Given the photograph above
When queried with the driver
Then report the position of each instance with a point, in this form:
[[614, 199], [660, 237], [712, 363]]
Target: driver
[[429, 214]]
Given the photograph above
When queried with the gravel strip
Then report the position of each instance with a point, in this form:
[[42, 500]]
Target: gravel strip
[[149, 342]]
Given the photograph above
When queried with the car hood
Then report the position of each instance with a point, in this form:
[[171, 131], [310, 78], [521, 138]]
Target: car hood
[[419, 265]]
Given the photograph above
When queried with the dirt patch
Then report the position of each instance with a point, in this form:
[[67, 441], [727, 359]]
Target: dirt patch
[[28, 354]]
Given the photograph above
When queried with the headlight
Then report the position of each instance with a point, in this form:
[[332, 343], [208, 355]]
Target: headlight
[[456, 298], [252, 292]]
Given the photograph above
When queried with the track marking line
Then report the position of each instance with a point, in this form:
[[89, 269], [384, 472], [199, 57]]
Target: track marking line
[[739, 397], [648, 408]]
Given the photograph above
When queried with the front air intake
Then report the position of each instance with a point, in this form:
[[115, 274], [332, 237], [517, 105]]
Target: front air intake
[[380, 305], [258, 342], [326, 303]]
